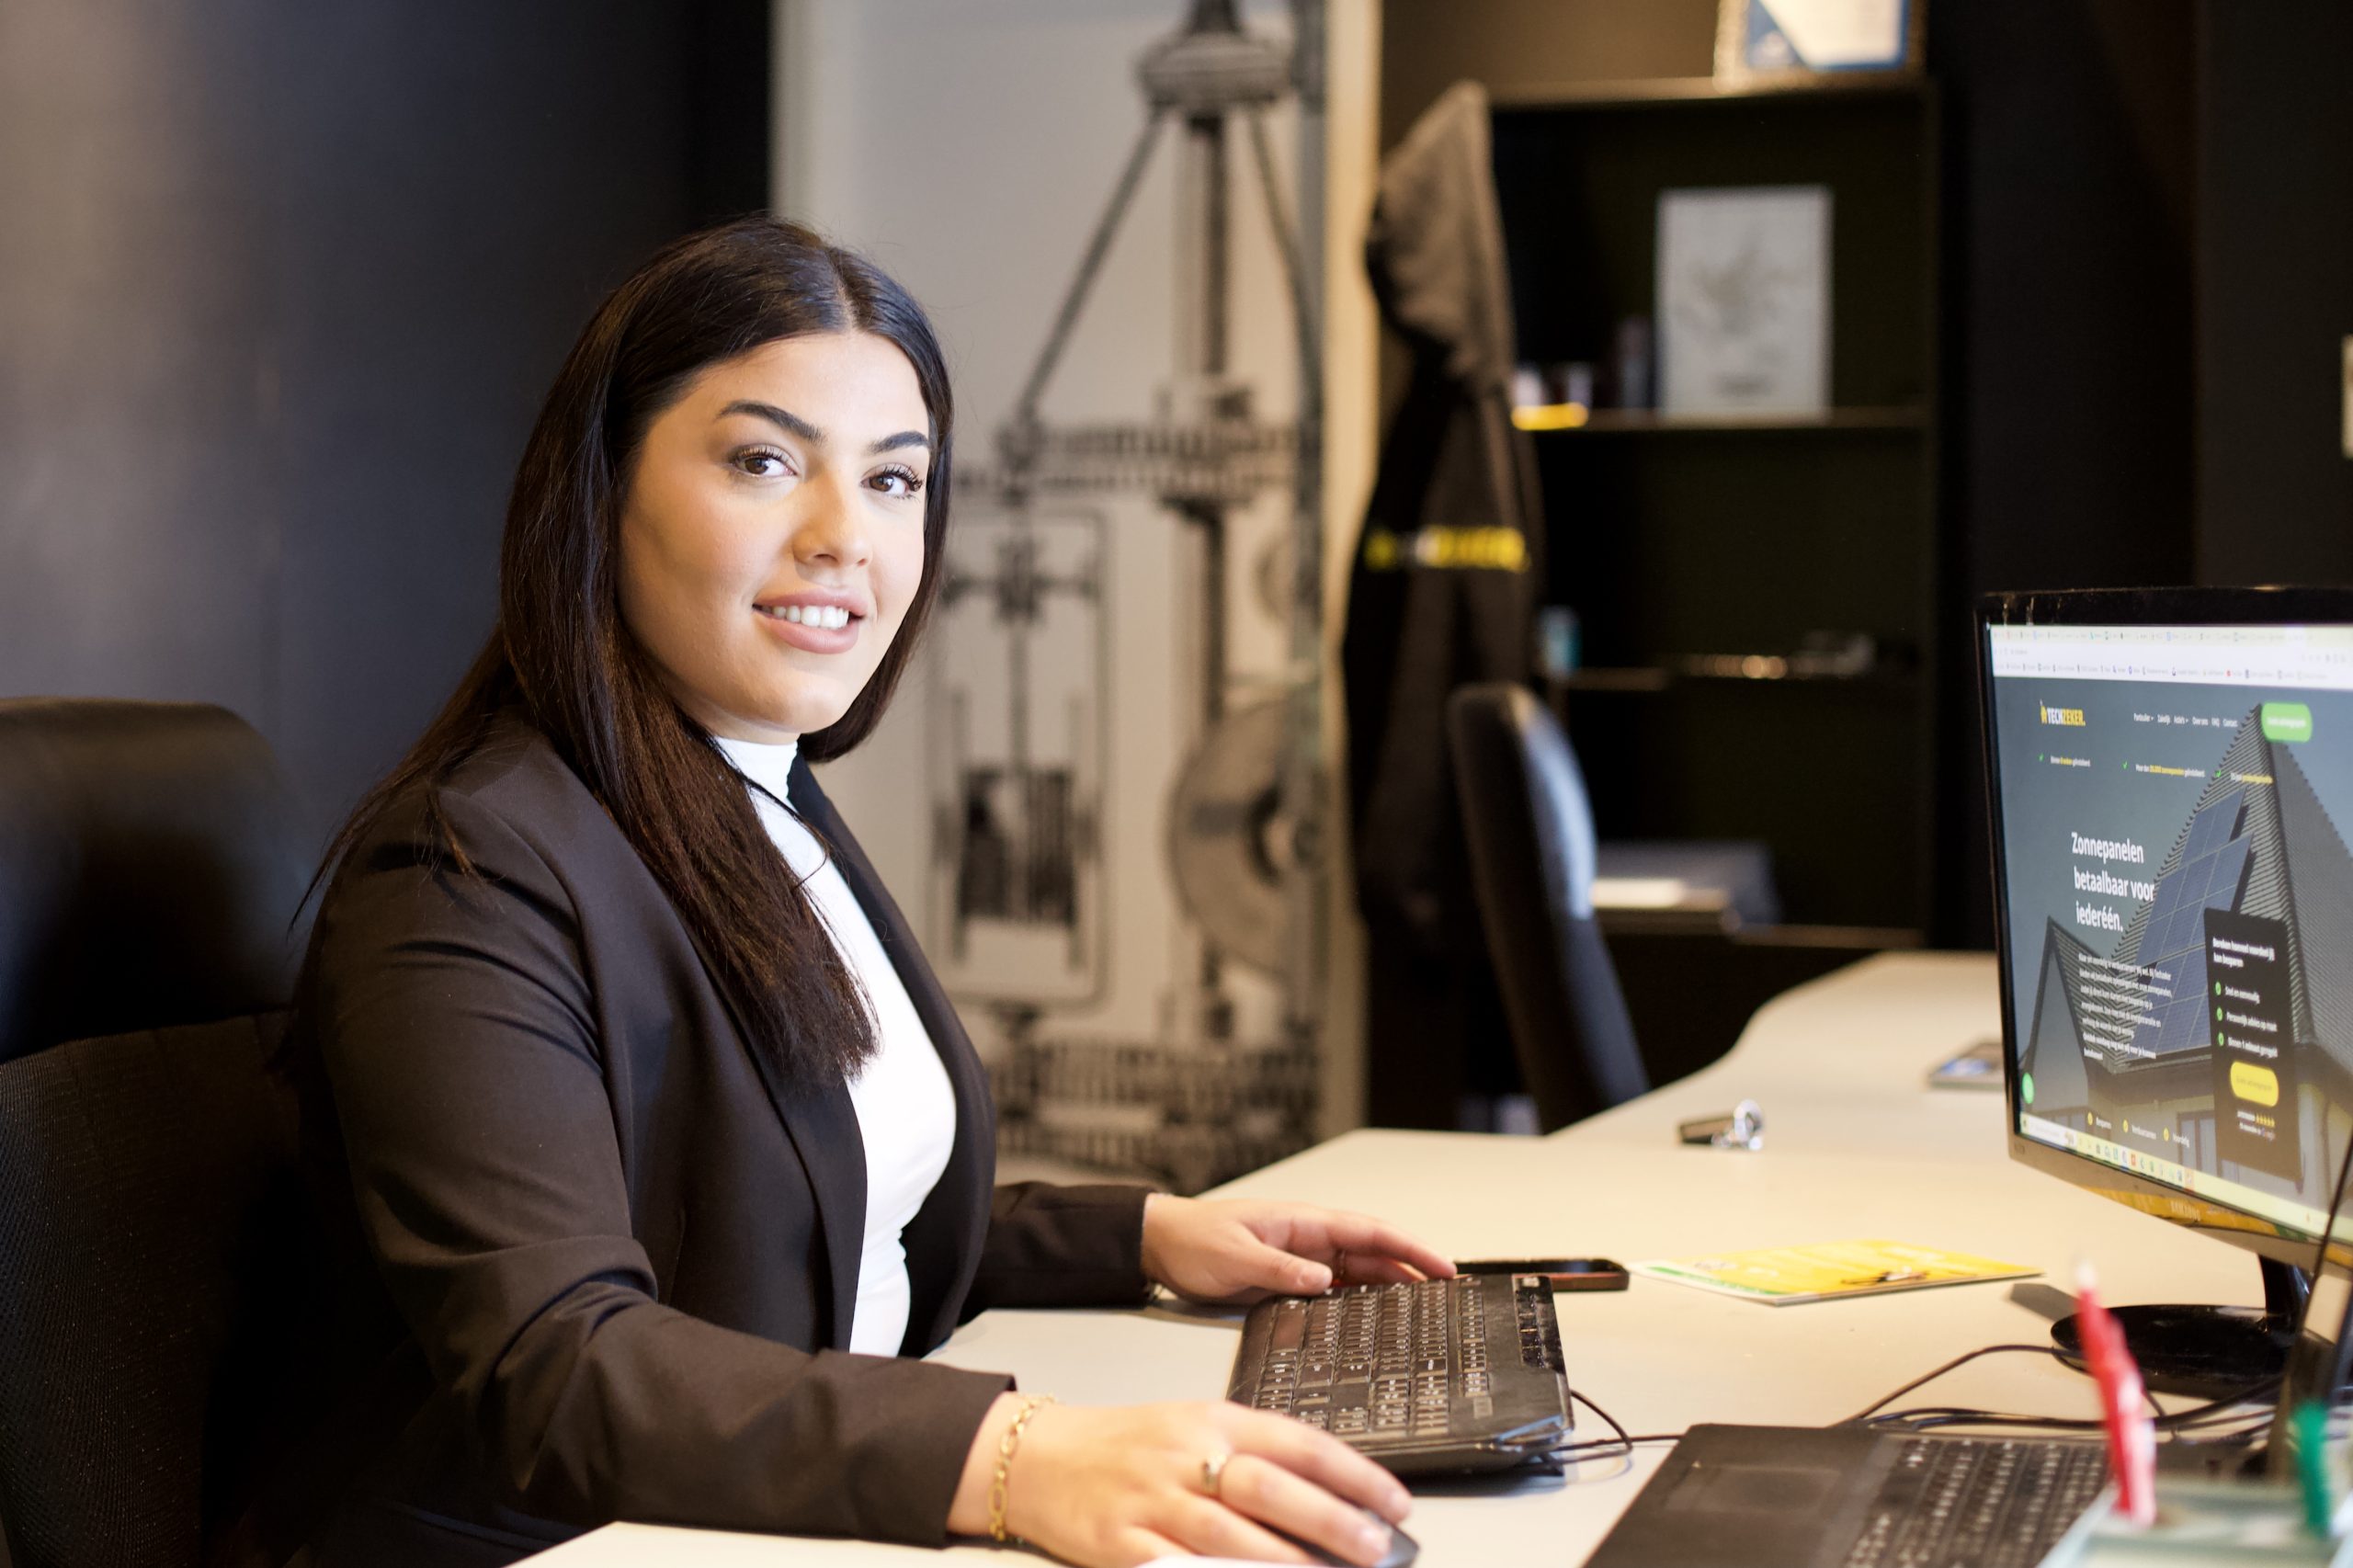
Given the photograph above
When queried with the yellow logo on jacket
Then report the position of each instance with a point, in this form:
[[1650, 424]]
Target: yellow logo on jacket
[[1491, 548]]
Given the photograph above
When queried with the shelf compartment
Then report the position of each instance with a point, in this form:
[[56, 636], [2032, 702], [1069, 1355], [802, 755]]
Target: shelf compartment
[[1579, 189], [1703, 93]]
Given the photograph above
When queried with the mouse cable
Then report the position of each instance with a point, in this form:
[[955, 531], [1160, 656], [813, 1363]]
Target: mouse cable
[[1621, 1441]]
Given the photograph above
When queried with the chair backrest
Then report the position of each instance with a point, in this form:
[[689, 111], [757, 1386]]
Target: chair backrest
[[155, 1256], [151, 858], [1530, 834], [153, 1278]]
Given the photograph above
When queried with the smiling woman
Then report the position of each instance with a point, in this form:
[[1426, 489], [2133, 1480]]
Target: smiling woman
[[659, 1135], [768, 561]]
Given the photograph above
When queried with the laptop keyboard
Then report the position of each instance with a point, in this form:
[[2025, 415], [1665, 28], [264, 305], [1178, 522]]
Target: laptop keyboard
[[1977, 1501]]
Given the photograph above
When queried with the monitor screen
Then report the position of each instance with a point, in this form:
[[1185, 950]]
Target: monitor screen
[[2171, 804]]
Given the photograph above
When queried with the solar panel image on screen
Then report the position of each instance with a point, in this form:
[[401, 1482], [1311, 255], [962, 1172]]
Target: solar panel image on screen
[[2179, 899]]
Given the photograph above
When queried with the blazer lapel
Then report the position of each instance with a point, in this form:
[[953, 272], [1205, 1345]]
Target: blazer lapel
[[824, 1128], [822, 1125], [943, 1241]]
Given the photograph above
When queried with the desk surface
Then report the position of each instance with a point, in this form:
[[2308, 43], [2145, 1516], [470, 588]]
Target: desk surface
[[1856, 1146]]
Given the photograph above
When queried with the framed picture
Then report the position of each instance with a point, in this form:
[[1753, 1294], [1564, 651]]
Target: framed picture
[[1743, 300], [1793, 41]]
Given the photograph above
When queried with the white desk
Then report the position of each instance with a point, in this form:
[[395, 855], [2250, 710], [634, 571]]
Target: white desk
[[1855, 1146]]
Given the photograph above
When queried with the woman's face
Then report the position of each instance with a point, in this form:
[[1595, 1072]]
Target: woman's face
[[772, 532]]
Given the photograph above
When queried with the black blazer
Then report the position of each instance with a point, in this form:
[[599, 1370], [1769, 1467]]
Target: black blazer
[[627, 1256]]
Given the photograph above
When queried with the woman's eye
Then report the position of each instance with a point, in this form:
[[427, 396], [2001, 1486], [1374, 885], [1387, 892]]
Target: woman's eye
[[762, 462], [897, 481]]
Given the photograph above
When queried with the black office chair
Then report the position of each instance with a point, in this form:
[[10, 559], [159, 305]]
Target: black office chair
[[156, 1251], [149, 860], [1531, 832]]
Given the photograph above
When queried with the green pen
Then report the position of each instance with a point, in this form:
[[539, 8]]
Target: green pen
[[2308, 1434]]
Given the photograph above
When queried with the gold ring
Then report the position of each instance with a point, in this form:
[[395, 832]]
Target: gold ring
[[1213, 1473]]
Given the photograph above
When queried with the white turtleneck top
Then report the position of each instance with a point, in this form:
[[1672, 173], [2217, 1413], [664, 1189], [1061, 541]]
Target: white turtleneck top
[[906, 1109]]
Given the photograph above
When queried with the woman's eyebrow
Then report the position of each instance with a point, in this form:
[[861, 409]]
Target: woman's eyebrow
[[791, 423], [784, 420]]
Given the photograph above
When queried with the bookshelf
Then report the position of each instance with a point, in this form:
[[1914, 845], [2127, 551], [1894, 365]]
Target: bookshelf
[[1699, 553]]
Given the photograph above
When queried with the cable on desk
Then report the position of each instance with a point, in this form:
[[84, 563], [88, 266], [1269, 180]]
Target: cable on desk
[[1926, 1417], [2241, 1436], [1608, 1419], [1620, 1442], [2234, 1406], [2232, 1409], [1867, 1412]]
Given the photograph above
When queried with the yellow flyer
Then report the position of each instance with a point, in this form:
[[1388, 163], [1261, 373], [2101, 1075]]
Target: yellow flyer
[[1781, 1277]]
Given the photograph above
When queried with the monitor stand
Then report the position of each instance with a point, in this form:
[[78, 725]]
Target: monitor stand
[[2208, 1351]]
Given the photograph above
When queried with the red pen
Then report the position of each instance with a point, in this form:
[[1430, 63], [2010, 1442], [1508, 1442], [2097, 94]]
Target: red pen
[[2131, 1436]]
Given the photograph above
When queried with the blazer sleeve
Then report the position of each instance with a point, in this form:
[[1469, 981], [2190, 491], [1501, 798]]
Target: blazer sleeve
[[456, 1024], [1061, 1246]]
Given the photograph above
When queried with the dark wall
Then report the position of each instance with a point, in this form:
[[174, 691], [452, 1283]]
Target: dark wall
[[2070, 194], [281, 289], [2069, 201], [2275, 261]]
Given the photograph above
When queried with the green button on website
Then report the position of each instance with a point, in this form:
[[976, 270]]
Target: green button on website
[[2287, 722]]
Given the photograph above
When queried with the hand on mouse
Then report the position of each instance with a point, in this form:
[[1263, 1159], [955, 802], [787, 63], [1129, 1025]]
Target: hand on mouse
[[1111, 1488]]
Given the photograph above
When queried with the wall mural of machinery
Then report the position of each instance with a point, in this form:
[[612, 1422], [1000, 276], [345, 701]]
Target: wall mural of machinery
[[1039, 685]]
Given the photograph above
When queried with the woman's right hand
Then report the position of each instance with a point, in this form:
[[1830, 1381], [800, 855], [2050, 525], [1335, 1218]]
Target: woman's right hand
[[1112, 1487]]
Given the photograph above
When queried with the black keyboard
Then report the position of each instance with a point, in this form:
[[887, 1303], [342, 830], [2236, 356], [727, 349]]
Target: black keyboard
[[1977, 1501], [1440, 1375]]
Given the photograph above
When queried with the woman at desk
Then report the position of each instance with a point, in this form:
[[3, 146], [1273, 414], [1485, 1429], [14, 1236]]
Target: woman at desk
[[666, 1142]]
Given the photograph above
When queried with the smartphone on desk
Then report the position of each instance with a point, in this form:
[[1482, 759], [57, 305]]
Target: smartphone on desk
[[1566, 1273]]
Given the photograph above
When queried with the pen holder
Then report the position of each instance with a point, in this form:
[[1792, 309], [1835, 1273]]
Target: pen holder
[[2228, 1524]]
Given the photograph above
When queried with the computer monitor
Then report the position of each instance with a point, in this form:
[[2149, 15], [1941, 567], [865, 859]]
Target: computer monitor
[[2170, 777]]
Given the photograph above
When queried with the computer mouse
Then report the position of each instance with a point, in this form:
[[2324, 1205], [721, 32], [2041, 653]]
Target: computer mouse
[[1403, 1547]]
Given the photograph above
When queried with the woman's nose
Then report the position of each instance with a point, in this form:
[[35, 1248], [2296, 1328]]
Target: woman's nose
[[833, 530]]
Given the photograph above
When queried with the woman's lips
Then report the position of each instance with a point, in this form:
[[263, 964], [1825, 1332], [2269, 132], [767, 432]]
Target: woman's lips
[[812, 639]]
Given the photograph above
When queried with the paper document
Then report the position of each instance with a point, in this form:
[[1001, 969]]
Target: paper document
[[1782, 1277]]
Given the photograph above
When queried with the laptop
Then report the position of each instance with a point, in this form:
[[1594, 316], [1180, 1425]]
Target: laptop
[[1853, 1497]]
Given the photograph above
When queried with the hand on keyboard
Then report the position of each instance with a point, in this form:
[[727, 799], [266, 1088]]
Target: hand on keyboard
[[1237, 1250], [1109, 1488]]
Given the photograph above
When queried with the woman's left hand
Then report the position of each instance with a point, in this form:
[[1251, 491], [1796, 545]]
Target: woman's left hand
[[1234, 1250]]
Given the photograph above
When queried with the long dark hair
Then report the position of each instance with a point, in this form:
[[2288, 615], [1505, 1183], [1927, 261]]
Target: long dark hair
[[562, 653]]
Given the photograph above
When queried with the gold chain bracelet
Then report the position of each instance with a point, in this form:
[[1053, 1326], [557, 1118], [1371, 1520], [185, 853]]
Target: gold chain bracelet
[[1007, 1447]]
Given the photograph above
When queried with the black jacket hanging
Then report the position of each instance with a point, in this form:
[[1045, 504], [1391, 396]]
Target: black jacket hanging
[[1445, 581]]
